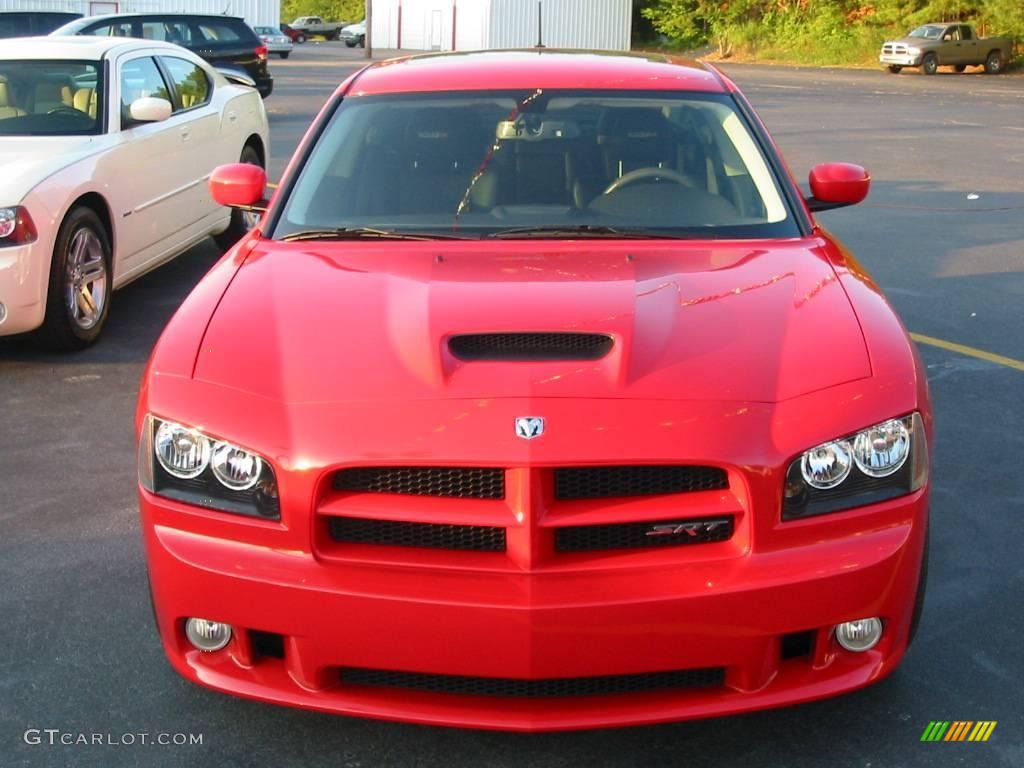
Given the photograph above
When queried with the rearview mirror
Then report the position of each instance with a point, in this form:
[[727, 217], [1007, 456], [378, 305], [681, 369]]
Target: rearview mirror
[[520, 129], [239, 185], [150, 110], [834, 185]]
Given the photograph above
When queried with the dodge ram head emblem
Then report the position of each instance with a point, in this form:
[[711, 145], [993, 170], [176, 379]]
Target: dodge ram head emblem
[[529, 427]]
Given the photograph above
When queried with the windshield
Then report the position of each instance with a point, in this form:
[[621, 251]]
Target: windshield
[[928, 32], [50, 98], [481, 164]]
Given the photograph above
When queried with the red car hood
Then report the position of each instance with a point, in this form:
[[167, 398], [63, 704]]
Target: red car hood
[[331, 322]]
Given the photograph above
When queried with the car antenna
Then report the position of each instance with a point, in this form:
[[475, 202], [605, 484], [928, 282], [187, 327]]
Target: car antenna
[[540, 23]]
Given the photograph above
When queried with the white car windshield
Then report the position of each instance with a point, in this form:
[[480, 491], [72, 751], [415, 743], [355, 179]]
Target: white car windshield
[[482, 164], [50, 98]]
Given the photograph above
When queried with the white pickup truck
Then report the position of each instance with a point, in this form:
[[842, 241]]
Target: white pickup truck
[[314, 25]]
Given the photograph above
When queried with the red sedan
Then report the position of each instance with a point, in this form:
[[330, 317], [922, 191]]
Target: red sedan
[[538, 400]]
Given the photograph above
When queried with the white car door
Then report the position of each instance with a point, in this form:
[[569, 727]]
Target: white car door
[[145, 173], [203, 145]]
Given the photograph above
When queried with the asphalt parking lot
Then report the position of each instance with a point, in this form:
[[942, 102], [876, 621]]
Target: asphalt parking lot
[[943, 234]]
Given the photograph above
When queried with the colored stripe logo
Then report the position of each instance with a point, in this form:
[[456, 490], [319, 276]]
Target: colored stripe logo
[[958, 730]]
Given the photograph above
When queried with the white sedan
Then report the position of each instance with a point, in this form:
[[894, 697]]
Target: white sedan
[[106, 146]]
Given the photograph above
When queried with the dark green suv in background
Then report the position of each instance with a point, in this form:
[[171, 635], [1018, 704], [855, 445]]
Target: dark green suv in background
[[226, 42]]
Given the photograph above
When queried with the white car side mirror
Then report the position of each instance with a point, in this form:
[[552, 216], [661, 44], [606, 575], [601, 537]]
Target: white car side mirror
[[150, 110]]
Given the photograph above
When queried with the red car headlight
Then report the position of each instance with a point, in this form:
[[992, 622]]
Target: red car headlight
[[184, 464], [881, 462]]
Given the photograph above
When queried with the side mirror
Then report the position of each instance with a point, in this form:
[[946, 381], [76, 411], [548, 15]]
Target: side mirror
[[834, 185], [239, 185], [237, 76], [150, 110]]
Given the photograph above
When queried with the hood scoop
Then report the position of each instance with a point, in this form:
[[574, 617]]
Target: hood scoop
[[528, 347]]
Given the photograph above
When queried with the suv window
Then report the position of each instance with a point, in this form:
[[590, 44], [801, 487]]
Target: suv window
[[190, 82], [124, 29], [169, 31], [214, 32], [139, 78]]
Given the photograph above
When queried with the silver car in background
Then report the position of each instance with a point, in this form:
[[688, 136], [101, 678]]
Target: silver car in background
[[275, 40]]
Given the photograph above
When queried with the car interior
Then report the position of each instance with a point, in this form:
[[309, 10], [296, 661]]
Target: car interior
[[48, 98], [650, 164]]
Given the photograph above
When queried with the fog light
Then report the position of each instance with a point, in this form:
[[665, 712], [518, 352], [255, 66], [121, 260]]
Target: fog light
[[859, 635], [207, 635]]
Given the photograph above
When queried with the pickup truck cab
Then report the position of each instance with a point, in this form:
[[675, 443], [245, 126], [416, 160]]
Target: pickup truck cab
[[315, 25], [931, 46]]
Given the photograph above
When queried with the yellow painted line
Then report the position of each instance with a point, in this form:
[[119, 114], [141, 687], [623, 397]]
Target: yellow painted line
[[963, 349]]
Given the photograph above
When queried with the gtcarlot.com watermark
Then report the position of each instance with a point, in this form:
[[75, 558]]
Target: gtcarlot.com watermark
[[54, 737]]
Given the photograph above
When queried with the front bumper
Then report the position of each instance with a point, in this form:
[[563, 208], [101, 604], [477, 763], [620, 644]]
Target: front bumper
[[730, 612], [900, 59], [22, 288]]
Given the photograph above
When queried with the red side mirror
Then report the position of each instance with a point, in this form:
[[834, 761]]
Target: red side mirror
[[238, 184], [834, 185]]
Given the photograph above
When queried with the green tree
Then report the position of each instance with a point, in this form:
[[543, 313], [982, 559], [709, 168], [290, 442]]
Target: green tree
[[700, 20], [329, 10]]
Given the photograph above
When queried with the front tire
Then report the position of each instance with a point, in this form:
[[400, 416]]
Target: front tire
[[930, 65], [285, 54], [300, 39], [350, 44], [241, 221], [78, 295], [362, 41], [993, 63], [895, 69]]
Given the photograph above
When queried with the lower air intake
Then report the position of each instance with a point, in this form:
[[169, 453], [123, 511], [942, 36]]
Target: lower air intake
[[543, 688]]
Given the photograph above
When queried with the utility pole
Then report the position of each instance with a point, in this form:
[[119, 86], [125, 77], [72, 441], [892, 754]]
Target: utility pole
[[368, 51]]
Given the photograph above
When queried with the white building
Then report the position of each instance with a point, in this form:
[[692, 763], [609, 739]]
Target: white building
[[465, 25], [255, 12]]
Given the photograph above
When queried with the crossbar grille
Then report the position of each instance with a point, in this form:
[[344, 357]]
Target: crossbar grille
[[450, 482], [641, 480], [660, 533], [394, 533]]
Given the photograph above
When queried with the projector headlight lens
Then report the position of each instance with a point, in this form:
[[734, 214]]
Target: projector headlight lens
[[882, 449], [182, 452], [827, 465]]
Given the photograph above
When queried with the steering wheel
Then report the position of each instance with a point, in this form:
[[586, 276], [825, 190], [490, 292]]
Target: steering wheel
[[64, 109], [647, 173]]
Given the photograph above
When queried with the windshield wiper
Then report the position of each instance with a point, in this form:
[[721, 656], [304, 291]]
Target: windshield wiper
[[579, 230], [360, 233]]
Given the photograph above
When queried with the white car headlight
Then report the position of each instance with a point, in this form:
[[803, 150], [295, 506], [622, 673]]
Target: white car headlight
[[886, 460], [912, 50]]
